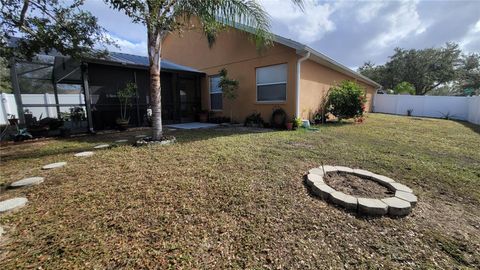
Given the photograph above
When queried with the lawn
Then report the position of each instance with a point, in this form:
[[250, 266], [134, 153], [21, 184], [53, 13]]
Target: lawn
[[235, 198]]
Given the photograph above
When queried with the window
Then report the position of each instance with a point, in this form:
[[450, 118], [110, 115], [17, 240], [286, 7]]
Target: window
[[216, 96], [272, 83]]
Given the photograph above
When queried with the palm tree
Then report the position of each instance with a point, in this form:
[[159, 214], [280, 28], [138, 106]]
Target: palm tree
[[165, 16]]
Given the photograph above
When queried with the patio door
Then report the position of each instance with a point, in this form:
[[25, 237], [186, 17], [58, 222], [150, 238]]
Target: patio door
[[188, 99]]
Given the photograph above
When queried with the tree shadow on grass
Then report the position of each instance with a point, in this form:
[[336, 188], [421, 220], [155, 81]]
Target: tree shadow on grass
[[57, 146]]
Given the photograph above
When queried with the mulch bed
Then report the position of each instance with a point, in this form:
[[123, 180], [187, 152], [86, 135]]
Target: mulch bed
[[357, 186]]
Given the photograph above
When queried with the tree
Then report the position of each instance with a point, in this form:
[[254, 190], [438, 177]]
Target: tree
[[229, 87], [166, 16], [346, 100], [404, 88], [45, 25], [5, 84], [425, 69]]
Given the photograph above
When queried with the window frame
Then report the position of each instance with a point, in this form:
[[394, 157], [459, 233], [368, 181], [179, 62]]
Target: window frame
[[275, 83], [210, 77]]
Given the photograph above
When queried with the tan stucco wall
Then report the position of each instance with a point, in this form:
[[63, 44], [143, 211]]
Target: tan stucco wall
[[235, 52], [315, 80]]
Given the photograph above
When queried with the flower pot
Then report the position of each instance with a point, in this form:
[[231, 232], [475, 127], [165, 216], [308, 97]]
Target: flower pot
[[122, 123], [289, 126]]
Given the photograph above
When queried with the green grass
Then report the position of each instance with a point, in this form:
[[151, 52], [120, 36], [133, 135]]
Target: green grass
[[235, 198]]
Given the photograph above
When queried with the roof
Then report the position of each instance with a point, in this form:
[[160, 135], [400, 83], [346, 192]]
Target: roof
[[316, 56], [135, 61], [138, 60]]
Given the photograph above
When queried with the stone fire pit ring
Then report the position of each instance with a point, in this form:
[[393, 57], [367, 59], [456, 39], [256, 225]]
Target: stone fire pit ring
[[399, 205]]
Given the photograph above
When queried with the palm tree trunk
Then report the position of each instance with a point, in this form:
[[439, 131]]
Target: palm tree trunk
[[154, 52]]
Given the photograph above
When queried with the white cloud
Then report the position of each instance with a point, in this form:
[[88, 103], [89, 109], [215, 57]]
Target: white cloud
[[126, 46], [472, 39], [307, 26], [401, 23], [369, 11]]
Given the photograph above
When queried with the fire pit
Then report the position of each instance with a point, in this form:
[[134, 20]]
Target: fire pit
[[361, 191]]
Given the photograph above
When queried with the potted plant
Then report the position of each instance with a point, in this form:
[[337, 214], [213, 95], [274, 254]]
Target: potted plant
[[124, 96], [297, 122]]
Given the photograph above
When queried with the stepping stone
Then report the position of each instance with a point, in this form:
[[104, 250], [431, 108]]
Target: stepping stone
[[101, 146], [399, 187], [328, 168], [344, 169], [314, 178], [85, 154], [141, 136], [346, 201], [316, 171], [397, 207], [121, 141], [27, 182], [11, 204], [372, 207], [363, 173], [54, 165], [407, 196], [382, 180], [322, 190]]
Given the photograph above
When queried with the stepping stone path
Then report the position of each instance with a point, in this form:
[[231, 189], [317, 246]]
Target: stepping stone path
[[11, 204], [399, 205], [54, 165], [102, 146], [85, 154], [27, 182]]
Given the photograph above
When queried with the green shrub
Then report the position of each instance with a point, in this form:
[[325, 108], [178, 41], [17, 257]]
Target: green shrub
[[346, 100]]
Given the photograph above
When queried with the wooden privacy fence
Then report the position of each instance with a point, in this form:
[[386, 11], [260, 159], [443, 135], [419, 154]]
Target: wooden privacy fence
[[452, 107]]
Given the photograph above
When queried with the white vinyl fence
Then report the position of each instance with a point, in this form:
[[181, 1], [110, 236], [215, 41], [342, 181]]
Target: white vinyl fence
[[460, 108], [9, 106]]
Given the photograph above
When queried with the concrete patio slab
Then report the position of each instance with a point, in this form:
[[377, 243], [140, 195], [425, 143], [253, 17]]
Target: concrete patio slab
[[192, 125]]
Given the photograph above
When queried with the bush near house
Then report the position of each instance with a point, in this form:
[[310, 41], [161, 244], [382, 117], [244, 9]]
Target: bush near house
[[347, 100]]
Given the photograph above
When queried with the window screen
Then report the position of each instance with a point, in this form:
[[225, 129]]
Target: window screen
[[272, 83], [216, 96]]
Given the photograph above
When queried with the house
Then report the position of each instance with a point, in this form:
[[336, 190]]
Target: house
[[288, 75]]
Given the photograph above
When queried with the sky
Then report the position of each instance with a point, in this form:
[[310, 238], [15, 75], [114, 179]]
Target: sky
[[351, 32]]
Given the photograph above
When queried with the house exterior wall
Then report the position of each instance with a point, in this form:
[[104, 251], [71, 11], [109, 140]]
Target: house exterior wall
[[234, 51], [315, 80]]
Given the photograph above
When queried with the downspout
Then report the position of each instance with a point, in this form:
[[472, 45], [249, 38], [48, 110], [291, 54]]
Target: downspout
[[297, 90]]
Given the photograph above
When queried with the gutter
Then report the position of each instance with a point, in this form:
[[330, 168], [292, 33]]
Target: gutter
[[297, 90]]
